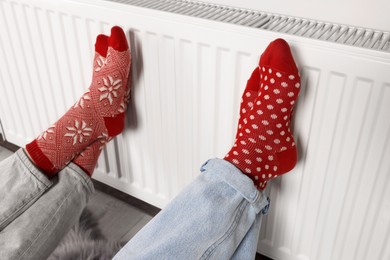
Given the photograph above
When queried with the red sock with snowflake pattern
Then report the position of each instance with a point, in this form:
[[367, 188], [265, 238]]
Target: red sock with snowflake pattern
[[98, 114], [264, 146]]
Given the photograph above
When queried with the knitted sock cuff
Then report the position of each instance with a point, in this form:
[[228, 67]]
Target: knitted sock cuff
[[40, 159]]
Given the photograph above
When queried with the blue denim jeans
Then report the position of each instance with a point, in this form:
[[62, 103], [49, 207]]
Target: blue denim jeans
[[218, 216]]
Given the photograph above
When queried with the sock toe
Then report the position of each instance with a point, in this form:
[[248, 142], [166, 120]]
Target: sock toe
[[118, 39], [278, 56], [101, 45]]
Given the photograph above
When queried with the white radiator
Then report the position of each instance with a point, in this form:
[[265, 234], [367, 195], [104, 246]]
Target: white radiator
[[189, 70]]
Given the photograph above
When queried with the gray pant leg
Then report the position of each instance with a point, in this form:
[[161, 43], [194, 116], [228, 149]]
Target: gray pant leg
[[20, 185], [35, 212]]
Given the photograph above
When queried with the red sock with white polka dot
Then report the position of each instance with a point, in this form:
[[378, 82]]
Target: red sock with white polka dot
[[98, 114], [264, 146], [248, 98]]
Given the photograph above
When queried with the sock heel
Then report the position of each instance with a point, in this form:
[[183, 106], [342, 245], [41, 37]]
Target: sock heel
[[115, 125], [287, 160]]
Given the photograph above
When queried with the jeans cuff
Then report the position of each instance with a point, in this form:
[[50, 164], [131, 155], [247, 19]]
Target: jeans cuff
[[41, 177], [34, 170], [238, 181]]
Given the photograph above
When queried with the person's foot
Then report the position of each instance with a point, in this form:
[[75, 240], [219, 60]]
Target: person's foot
[[264, 147], [98, 114]]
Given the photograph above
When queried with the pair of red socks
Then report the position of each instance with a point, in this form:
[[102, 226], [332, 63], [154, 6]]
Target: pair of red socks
[[99, 115], [264, 147]]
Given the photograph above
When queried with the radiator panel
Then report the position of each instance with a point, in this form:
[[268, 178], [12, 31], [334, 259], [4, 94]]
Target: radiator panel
[[188, 75]]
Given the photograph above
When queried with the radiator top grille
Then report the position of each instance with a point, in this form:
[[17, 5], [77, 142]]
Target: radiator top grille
[[348, 35]]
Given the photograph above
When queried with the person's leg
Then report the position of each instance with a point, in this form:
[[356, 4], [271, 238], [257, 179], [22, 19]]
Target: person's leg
[[217, 216], [20, 186], [248, 246], [37, 212], [207, 220], [112, 61], [42, 194]]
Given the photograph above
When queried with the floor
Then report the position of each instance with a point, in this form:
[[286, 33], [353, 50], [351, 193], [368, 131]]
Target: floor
[[4, 153], [109, 211]]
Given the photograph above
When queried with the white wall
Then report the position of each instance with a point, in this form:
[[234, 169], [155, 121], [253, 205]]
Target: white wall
[[369, 14]]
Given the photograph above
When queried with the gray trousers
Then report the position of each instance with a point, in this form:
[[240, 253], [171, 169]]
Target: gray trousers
[[24, 200]]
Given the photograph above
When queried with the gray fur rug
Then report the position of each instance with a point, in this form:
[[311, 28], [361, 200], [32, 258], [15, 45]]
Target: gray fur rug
[[85, 242]]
